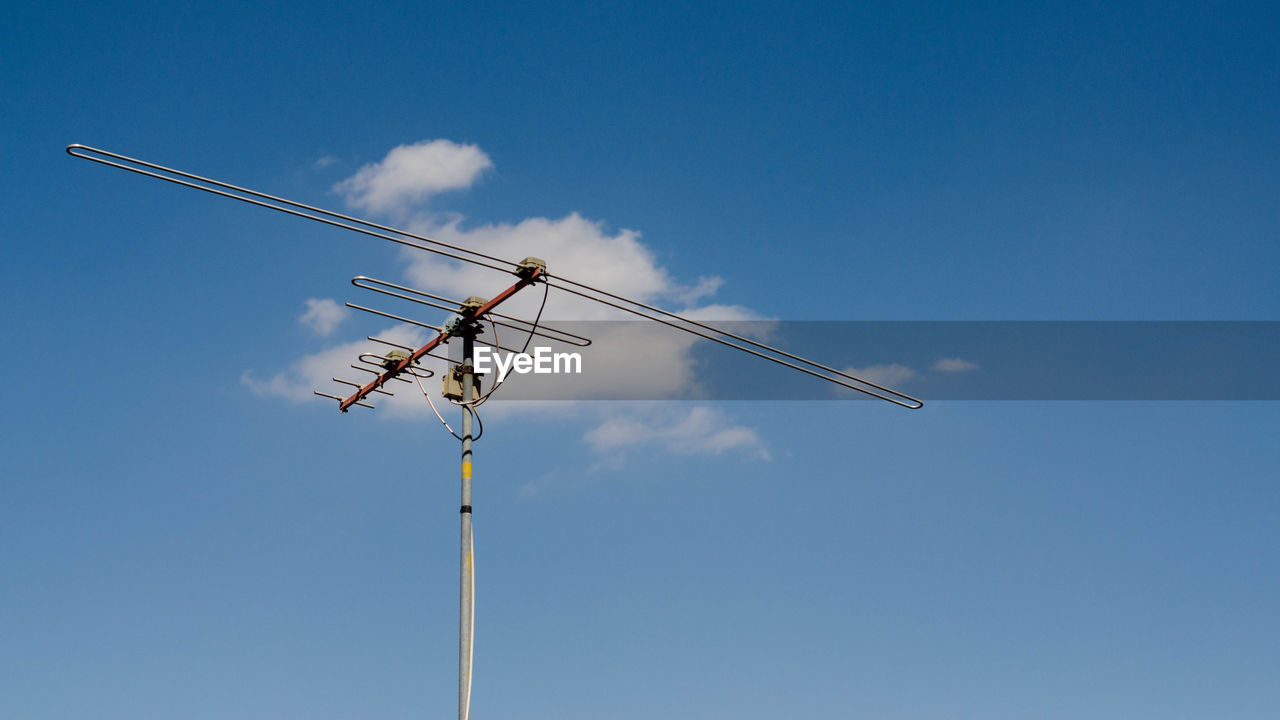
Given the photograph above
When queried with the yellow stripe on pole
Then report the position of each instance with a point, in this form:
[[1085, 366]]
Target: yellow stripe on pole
[[466, 470]]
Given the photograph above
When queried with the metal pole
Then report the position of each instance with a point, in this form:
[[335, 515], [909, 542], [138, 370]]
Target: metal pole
[[466, 620]]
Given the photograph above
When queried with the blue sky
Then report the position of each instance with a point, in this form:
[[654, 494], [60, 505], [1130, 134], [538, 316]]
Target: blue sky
[[174, 544]]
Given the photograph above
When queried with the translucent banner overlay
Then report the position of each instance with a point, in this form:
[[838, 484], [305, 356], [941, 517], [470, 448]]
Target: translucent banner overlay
[[930, 360]]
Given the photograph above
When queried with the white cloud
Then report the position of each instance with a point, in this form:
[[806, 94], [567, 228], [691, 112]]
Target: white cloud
[[886, 375], [706, 286], [700, 430], [574, 247], [954, 365], [411, 174], [280, 385], [324, 162], [323, 316]]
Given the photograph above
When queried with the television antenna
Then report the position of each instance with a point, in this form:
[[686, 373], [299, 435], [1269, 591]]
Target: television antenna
[[460, 383]]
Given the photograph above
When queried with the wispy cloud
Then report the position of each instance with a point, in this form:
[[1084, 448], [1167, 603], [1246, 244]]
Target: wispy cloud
[[323, 316], [411, 174], [324, 161], [706, 286], [887, 375], [314, 372], [280, 385], [700, 430], [954, 365]]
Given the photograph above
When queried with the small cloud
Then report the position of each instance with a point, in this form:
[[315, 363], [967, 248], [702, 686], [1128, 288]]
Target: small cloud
[[280, 385], [705, 287], [324, 162], [954, 365], [887, 375], [323, 316], [700, 431], [412, 174]]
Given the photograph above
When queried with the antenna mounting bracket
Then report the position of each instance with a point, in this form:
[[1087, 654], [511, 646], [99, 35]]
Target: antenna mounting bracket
[[527, 266]]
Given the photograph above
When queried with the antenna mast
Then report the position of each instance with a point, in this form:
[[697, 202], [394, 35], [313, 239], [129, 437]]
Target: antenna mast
[[460, 384], [466, 583]]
